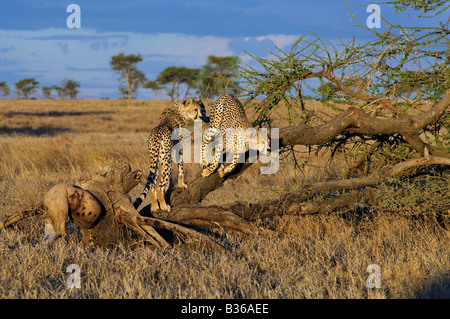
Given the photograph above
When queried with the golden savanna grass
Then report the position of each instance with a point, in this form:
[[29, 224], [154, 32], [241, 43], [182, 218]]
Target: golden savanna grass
[[44, 142]]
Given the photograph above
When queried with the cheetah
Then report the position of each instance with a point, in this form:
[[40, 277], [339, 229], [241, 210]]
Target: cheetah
[[160, 145], [227, 114]]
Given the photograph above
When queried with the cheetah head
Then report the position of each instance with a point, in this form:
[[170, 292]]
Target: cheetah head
[[193, 109]]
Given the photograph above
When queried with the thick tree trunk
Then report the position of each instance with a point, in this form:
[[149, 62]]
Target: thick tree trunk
[[293, 203], [186, 206], [352, 120]]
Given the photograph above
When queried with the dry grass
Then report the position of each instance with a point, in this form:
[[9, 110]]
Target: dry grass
[[45, 142]]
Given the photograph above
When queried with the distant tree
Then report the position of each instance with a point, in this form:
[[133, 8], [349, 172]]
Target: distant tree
[[47, 91], [70, 88], [125, 66], [171, 78], [59, 91], [4, 89], [218, 76], [124, 92], [26, 87], [136, 79]]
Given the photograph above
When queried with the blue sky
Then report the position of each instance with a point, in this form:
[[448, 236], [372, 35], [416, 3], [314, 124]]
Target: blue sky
[[35, 41]]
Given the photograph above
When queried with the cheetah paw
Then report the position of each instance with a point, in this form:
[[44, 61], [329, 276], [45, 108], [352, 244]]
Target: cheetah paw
[[206, 173], [167, 208], [182, 185]]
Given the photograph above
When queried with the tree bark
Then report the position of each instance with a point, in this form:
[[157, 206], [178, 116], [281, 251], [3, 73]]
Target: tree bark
[[352, 120], [236, 216], [186, 206]]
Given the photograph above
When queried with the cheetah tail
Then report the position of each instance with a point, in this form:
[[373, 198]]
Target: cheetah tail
[[140, 199], [203, 111]]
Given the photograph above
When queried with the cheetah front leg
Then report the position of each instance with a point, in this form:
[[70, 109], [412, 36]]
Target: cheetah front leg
[[181, 182]]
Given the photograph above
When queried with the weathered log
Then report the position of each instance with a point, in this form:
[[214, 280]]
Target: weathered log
[[127, 214], [206, 216], [353, 120], [294, 202]]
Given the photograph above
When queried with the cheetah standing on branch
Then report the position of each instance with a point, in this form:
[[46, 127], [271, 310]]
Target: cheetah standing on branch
[[160, 146], [229, 124]]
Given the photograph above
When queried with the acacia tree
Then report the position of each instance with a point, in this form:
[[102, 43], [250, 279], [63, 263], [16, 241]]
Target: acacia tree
[[219, 76], [70, 88], [126, 67], [171, 78], [396, 135], [26, 87], [47, 92], [4, 89]]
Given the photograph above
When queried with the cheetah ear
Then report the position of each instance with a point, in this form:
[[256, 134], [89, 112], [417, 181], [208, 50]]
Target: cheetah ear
[[187, 101]]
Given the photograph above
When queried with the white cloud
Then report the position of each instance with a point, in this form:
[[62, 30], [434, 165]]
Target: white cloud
[[280, 40], [83, 54]]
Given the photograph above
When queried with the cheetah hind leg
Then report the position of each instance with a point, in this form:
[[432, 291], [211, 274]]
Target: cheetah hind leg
[[211, 168], [161, 192], [56, 205], [239, 151], [224, 170], [153, 199]]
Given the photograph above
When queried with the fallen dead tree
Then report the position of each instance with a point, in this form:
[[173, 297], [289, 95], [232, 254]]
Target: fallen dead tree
[[186, 203], [187, 209]]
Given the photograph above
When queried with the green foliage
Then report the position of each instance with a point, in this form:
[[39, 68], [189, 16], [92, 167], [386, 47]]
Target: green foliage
[[26, 87], [59, 91], [434, 7], [4, 89], [130, 78], [47, 92], [414, 195], [71, 88], [171, 78], [396, 63], [327, 89], [219, 76]]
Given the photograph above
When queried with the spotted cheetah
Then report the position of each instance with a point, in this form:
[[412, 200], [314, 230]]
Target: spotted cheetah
[[160, 146], [228, 115]]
